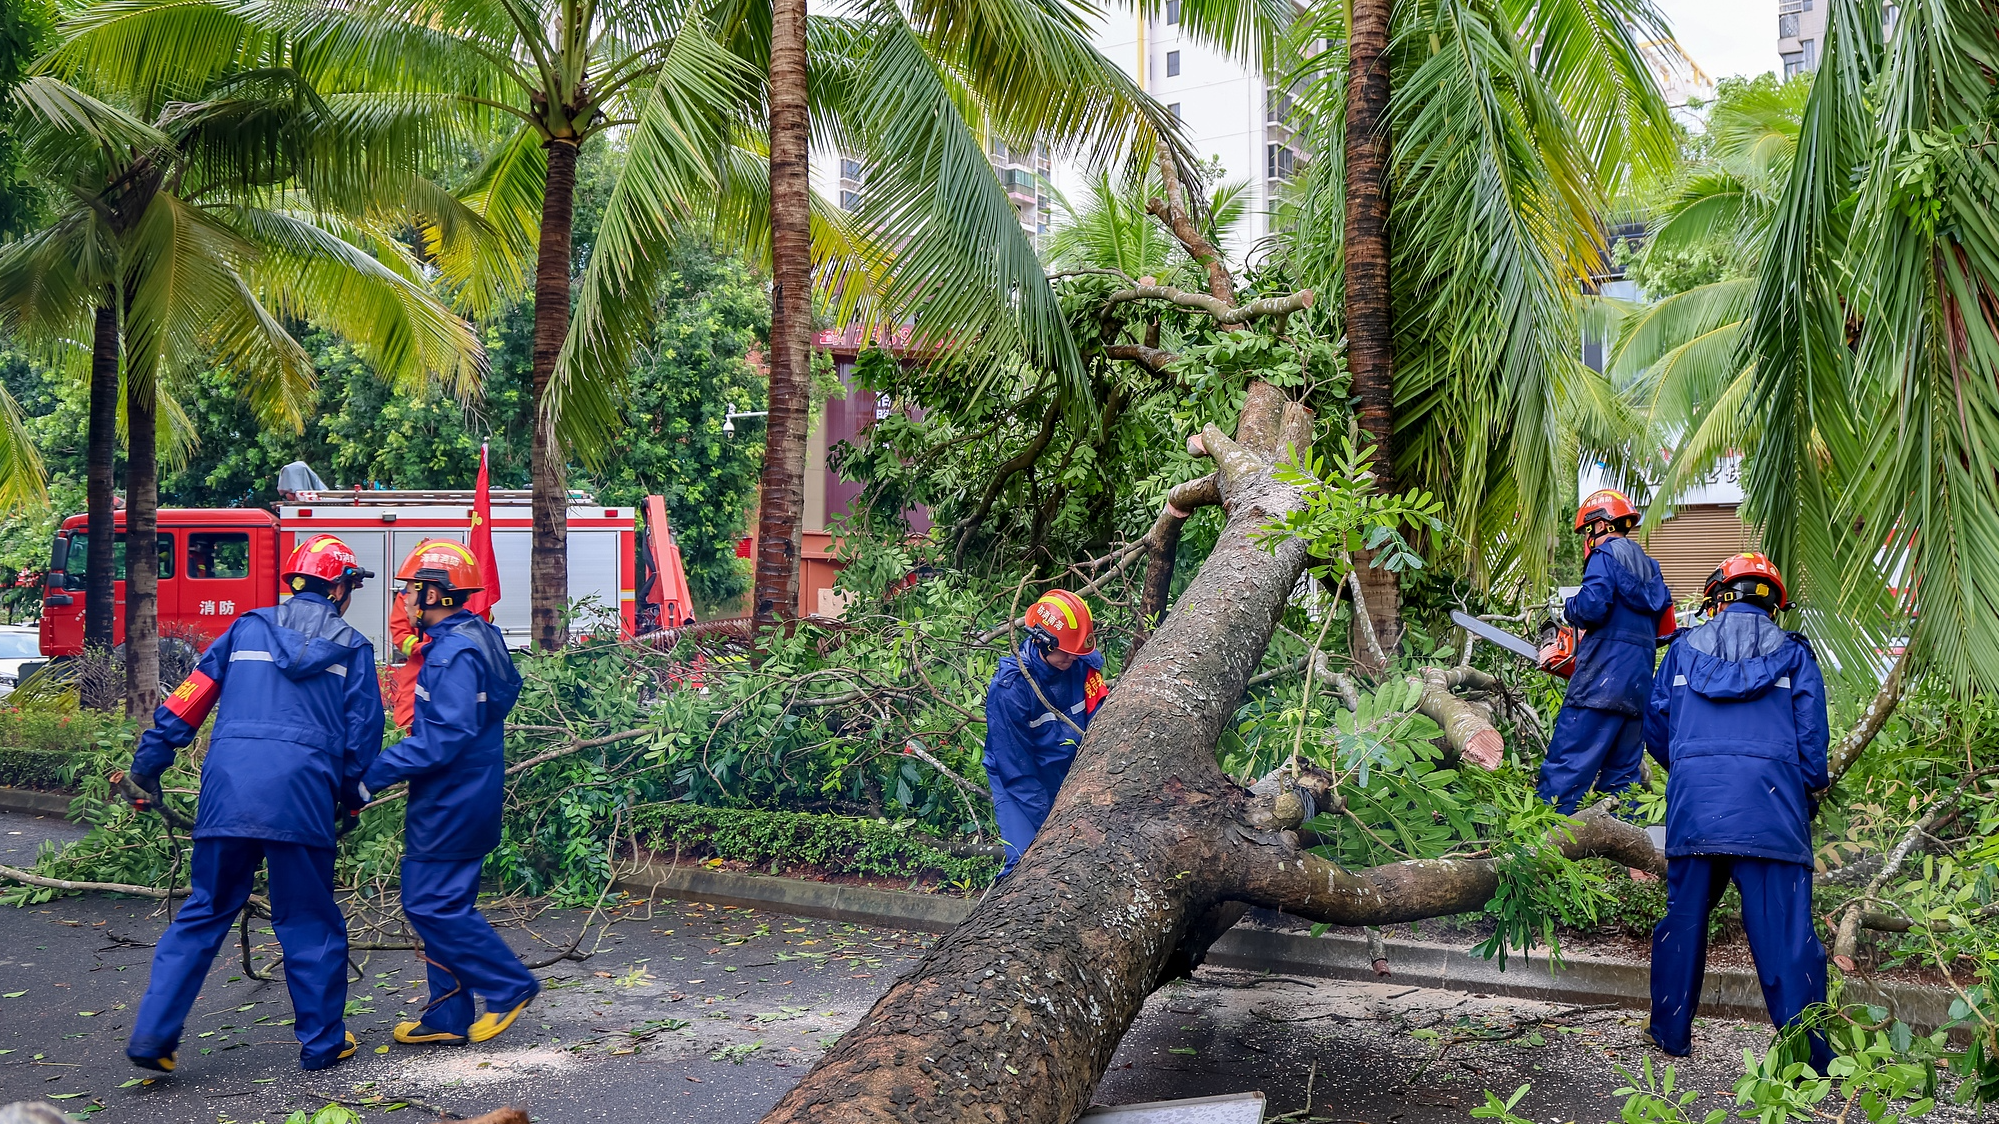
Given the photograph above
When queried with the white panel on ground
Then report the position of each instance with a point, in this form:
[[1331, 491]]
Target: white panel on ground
[[513, 550], [593, 577], [1229, 1108], [369, 610]]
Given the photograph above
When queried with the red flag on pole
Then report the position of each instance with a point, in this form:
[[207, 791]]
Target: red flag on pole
[[480, 541]]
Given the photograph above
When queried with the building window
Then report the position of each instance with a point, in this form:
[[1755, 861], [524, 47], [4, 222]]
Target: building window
[[1277, 105], [1172, 64], [1281, 162], [1173, 12], [1811, 53], [1794, 64], [850, 168], [1787, 26], [1174, 109], [850, 200]]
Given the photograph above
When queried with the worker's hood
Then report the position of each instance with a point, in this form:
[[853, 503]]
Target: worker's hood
[[1739, 654], [308, 637], [1637, 576]]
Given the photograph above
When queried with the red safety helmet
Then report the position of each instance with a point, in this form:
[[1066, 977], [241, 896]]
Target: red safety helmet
[[325, 558], [1061, 620], [445, 564], [1607, 505], [1749, 576]]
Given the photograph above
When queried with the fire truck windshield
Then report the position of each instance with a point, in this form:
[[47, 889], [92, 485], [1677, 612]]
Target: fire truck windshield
[[79, 552]]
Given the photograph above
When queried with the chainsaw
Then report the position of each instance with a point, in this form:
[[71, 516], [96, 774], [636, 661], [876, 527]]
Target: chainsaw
[[1555, 654]]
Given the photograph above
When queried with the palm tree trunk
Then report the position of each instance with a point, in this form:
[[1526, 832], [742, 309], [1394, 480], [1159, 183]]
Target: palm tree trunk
[[1370, 327], [99, 597], [142, 586], [782, 498], [550, 566]]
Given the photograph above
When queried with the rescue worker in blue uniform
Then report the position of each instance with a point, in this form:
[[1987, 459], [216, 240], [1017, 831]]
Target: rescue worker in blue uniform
[[1620, 612], [454, 761], [298, 719], [1738, 715], [1037, 707]]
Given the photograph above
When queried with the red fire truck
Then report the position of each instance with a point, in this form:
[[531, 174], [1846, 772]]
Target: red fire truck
[[216, 564]]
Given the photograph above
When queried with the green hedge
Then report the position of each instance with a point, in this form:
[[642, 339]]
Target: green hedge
[[834, 844], [34, 768]]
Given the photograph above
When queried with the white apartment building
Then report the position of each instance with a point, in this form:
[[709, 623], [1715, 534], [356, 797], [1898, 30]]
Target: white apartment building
[[1800, 33], [1226, 110]]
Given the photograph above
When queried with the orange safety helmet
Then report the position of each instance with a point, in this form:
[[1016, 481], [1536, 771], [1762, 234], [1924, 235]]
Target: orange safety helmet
[[1749, 576], [323, 558], [1061, 620], [1606, 505], [445, 564]]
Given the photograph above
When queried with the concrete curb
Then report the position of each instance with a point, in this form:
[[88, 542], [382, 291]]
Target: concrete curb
[[1583, 980], [28, 802]]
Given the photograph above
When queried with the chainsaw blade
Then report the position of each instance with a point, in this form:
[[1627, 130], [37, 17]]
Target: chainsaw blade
[[1496, 635]]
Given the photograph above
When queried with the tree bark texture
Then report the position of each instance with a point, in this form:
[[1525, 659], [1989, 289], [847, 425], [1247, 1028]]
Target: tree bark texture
[[1370, 324], [1149, 854], [142, 569], [782, 492], [100, 465], [549, 567]]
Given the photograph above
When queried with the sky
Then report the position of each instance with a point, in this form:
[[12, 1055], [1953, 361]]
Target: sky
[[1726, 37]]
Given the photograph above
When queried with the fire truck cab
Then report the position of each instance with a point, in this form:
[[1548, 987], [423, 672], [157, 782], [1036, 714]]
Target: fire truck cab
[[215, 563]]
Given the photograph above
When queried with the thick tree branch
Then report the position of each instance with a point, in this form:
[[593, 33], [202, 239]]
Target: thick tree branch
[[1467, 730], [1872, 719], [1302, 884], [1225, 313], [1172, 210], [1156, 360]]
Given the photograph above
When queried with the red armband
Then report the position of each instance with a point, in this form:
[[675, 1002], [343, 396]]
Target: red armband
[[193, 699], [1669, 623], [1094, 691]]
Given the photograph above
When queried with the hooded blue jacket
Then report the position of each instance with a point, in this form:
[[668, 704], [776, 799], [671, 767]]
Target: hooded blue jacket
[[1738, 715], [455, 756], [1023, 737], [297, 722], [1617, 611]]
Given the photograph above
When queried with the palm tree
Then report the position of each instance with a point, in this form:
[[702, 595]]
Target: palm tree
[[1863, 391], [1506, 126], [191, 239], [1680, 357]]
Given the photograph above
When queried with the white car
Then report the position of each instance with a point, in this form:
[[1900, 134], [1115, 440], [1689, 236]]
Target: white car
[[19, 644]]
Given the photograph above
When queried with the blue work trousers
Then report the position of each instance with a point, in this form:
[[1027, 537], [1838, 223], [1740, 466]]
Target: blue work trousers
[[1021, 806], [461, 952], [1777, 916], [310, 929], [1598, 749]]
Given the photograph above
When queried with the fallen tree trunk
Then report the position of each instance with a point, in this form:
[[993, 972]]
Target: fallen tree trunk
[[1149, 855]]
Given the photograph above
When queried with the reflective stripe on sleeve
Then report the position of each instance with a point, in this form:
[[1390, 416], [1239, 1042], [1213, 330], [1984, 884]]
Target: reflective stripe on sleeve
[[251, 654], [422, 693]]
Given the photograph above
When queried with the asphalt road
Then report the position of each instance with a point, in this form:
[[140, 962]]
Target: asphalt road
[[690, 1012]]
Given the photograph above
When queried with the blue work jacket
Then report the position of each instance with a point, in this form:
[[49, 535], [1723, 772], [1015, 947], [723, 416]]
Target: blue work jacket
[[298, 720], [1616, 613], [455, 756], [1023, 736], [1738, 715]]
